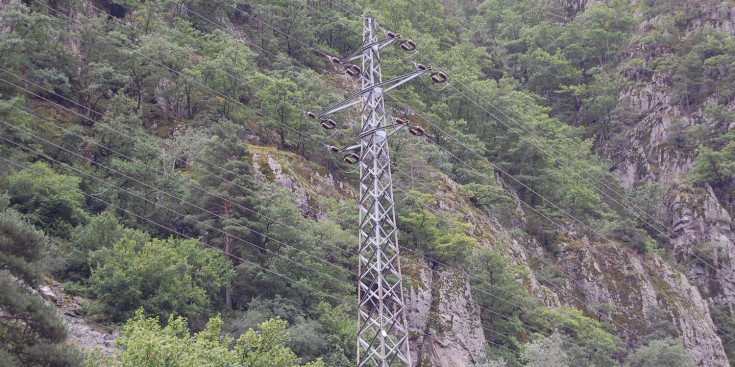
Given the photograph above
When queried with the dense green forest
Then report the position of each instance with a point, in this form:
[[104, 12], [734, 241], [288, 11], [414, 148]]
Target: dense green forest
[[127, 132]]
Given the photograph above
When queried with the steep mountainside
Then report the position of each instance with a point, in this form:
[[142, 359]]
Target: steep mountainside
[[571, 203], [697, 220], [601, 279], [657, 145]]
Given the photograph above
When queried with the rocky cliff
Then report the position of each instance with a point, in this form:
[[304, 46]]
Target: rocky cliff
[[611, 275], [443, 316], [649, 151]]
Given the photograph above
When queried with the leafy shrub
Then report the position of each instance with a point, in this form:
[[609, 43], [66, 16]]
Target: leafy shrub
[[439, 236], [545, 352], [51, 201], [628, 234], [665, 352], [146, 343], [103, 231], [716, 168], [165, 277]]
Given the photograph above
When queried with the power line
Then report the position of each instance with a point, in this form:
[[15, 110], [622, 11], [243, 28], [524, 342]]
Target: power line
[[544, 198], [530, 327], [122, 155], [302, 43], [637, 216]]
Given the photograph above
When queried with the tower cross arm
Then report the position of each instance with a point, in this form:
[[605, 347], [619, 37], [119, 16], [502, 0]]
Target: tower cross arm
[[391, 129], [358, 53], [390, 83]]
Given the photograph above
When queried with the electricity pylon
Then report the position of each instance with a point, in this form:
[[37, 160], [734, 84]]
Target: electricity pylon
[[382, 333]]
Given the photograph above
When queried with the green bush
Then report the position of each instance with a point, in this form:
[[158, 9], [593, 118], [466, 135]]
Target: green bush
[[665, 352], [51, 201], [439, 235], [103, 231], [171, 276], [630, 235], [145, 343]]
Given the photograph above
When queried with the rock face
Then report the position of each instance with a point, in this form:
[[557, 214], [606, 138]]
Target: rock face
[[698, 226], [705, 238], [311, 184], [604, 274], [443, 333]]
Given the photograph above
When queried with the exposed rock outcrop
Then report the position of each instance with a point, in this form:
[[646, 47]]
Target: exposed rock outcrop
[[312, 186], [84, 334], [705, 238], [632, 285], [443, 333], [651, 150]]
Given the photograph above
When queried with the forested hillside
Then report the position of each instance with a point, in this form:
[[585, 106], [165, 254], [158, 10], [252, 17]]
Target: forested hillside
[[570, 205]]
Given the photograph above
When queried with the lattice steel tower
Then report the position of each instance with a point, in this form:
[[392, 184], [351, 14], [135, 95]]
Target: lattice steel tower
[[382, 334]]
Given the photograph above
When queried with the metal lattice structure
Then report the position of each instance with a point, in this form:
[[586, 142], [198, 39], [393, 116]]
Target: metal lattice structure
[[382, 334]]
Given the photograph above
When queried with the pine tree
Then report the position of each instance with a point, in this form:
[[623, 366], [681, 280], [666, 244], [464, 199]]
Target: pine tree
[[225, 191], [30, 333]]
